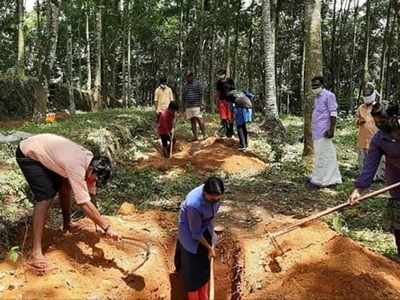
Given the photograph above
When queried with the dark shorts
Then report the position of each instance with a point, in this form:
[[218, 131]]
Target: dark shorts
[[165, 140], [43, 182], [194, 268]]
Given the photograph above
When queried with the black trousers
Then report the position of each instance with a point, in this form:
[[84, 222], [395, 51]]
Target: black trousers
[[242, 133]]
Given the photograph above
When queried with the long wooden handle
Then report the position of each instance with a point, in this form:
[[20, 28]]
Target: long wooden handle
[[171, 145], [331, 210], [212, 283]]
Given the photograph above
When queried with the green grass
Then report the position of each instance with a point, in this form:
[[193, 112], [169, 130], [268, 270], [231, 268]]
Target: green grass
[[281, 188]]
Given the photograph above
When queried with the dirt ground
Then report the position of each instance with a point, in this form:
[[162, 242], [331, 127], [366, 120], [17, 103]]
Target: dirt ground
[[317, 262], [209, 155]]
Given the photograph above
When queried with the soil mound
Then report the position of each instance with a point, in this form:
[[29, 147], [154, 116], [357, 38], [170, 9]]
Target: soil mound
[[210, 155], [319, 264], [85, 266]]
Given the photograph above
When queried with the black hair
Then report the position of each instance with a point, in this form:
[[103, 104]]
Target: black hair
[[102, 167], [320, 79], [173, 106], [214, 186], [163, 80], [385, 109]]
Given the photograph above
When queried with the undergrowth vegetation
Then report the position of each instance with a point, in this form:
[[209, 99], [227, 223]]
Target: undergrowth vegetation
[[281, 188]]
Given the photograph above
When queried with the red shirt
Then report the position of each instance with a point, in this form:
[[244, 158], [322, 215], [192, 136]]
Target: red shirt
[[165, 122]]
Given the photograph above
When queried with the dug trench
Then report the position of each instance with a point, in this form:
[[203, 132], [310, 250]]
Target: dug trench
[[317, 263], [87, 266]]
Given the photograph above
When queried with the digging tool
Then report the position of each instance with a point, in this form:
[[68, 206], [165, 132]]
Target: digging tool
[[171, 146], [212, 283], [272, 236]]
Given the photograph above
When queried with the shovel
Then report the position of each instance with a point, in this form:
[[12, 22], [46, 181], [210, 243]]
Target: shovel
[[212, 282], [272, 236]]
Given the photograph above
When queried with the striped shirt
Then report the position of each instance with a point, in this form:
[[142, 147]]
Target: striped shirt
[[192, 94]]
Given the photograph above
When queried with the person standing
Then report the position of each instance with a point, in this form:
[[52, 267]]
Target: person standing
[[192, 98], [367, 128], [195, 243], [163, 96], [55, 165], [166, 123], [385, 142], [326, 169], [224, 107]]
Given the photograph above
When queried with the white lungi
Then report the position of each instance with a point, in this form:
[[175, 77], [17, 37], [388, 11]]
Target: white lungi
[[326, 169]]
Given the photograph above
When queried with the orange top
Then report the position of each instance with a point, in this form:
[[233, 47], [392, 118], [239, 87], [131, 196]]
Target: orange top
[[366, 126], [63, 157]]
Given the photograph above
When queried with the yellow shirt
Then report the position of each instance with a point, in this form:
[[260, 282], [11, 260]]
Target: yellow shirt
[[162, 98], [366, 126]]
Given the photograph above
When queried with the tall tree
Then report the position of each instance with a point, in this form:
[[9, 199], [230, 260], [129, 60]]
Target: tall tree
[[21, 39], [365, 77], [313, 65], [70, 72], [48, 56], [97, 95], [271, 121], [88, 56]]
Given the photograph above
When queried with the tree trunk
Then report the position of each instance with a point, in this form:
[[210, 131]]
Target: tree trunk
[[49, 50], [181, 51], [313, 66], [70, 72], [89, 66], [250, 51], [271, 121], [365, 77], [385, 47], [353, 55], [387, 91], [236, 45], [333, 45], [98, 102], [21, 40]]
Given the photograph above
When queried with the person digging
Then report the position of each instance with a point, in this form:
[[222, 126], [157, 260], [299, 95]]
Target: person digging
[[385, 142], [196, 237], [166, 122], [55, 165]]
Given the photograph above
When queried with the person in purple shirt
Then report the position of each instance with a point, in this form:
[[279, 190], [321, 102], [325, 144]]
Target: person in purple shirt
[[196, 235], [385, 142], [326, 169]]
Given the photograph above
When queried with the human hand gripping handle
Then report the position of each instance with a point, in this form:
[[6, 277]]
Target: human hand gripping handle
[[110, 233], [355, 197]]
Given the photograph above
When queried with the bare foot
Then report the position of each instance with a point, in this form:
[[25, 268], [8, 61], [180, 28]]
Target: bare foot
[[38, 264]]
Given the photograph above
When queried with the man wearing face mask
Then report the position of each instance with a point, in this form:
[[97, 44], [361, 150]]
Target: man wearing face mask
[[326, 170], [55, 165], [385, 142], [366, 127], [163, 96]]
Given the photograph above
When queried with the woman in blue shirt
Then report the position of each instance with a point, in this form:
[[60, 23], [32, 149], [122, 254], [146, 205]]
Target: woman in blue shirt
[[195, 237]]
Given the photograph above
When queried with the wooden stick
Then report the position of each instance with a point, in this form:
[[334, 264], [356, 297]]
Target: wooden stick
[[212, 283], [171, 146], [331, 210]]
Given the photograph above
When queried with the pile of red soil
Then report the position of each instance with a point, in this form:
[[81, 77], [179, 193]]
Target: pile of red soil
[[317, 264], [209, 155], [85, 266]]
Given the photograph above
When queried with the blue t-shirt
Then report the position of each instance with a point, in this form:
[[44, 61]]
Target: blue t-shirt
[[196, 216]]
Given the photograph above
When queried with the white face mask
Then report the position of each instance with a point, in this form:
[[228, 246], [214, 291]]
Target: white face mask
[[370, 99], [317, 91], [163, 86]]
